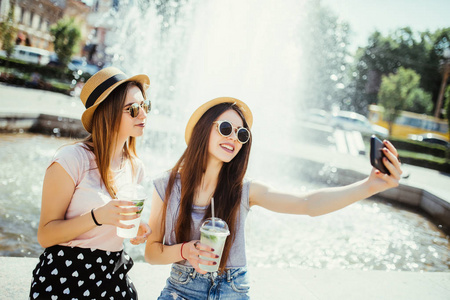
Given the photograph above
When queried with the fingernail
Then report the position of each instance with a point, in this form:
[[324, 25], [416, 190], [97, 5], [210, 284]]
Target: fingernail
[[214, 263], [217, 256], [212, 250]]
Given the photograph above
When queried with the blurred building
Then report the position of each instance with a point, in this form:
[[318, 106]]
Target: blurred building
[[102, 24], [35, 17]]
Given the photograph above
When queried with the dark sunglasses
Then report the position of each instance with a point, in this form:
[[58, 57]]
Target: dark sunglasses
[[133, 109], [225, 128]]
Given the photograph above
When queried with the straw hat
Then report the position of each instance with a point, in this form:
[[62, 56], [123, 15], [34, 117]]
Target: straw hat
[[99, 86], [198, 113]]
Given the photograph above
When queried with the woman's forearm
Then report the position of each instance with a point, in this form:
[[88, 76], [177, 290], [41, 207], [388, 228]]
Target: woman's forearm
[[329, 200], [61, 231], [158, 254]]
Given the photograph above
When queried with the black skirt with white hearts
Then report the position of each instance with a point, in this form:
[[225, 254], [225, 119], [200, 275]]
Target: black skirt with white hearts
[[80, 273]]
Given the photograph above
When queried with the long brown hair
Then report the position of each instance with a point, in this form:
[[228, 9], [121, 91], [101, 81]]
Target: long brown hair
[[105, 128], [192, 165]]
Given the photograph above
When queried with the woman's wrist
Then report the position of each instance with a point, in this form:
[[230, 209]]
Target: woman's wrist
[[181, 251], [94, 219]]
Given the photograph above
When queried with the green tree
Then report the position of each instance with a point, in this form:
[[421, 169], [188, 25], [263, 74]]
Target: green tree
[[394, 92], [447, 107], [419, 101], [419, 51], [66, 35], [8, 31]]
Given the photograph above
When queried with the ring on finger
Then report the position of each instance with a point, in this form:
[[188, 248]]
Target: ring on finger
[[195, 245]]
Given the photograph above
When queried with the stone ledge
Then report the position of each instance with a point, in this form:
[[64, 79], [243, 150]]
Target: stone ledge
[[15, 279]]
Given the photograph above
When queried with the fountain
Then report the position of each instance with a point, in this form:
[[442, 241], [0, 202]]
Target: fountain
[[263, 53]]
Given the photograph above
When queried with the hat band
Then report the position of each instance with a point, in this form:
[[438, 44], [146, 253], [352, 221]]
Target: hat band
[[102, 88]]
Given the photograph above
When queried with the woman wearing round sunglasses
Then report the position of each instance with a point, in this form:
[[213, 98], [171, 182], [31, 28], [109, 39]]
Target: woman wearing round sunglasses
[[83, 256], [213, 166]]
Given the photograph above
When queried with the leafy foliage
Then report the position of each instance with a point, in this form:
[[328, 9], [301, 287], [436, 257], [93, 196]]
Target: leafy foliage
[[67, 36], [8, 31], [419, 101], [447, 106], [419, 51], [396, 90]]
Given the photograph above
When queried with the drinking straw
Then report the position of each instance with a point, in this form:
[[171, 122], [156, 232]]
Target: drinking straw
[[212, 212]]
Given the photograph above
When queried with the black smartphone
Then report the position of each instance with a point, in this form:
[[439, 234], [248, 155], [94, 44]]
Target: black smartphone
[[377, 154]]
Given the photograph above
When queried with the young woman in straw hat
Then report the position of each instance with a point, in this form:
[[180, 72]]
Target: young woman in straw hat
[[83, 256], [213, 166]]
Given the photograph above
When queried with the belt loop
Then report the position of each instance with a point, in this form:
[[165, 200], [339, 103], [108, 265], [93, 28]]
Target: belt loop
[[229, 275]]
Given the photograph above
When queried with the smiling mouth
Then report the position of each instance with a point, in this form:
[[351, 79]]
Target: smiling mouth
[[227, 147]]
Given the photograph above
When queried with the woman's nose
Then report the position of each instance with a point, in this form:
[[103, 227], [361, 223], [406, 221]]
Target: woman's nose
[[142, 114], [233, 135]]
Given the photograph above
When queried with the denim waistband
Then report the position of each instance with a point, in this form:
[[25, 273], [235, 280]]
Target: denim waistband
[[226, 275]]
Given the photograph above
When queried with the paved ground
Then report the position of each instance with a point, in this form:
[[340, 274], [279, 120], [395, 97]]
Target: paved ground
[[266, 283]]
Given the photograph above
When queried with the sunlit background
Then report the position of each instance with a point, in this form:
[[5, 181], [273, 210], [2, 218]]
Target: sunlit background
[[286, 59]]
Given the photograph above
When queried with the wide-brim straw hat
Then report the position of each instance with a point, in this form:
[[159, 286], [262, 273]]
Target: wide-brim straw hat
[[100, 85], [198, 113]]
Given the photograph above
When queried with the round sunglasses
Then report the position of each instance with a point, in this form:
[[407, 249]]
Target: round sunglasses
[[225, 128], [133, 109]]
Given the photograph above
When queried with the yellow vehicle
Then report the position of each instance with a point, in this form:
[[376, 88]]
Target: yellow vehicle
[[410, 123]]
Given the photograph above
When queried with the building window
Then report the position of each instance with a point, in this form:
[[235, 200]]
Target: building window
[[31, 19], [22, 15]]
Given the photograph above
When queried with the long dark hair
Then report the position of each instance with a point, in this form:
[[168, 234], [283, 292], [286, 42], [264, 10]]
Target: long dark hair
[[105, 128], [192, 165]]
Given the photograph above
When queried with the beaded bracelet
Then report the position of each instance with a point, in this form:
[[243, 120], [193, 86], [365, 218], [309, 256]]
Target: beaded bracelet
[[93, 218]]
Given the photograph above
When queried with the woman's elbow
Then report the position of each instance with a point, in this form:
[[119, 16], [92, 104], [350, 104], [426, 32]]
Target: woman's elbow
[[150, 256], [45, 243], [151, 260], [45, 240]]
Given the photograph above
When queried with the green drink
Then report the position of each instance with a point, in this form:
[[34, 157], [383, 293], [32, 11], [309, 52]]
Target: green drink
[[213, 234], [136, 194]]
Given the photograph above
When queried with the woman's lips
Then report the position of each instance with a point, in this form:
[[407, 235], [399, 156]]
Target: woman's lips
[[227, 147]]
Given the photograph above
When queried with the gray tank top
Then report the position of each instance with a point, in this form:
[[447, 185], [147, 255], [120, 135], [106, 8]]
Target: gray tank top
[[237, 256]]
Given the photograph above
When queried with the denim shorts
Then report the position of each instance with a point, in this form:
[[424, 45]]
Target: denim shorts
[[185, 283]]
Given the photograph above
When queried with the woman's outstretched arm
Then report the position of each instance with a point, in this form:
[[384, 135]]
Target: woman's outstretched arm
[[327, 200]]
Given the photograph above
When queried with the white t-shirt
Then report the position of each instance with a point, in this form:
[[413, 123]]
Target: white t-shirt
[[90, 192]]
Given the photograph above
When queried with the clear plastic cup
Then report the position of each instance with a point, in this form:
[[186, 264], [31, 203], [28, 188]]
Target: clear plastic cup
[[136, 194], [215, 237]]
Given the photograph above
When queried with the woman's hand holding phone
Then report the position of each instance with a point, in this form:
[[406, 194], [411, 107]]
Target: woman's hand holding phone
[[384, 158]]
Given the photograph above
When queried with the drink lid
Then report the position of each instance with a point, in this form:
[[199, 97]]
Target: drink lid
[[131, 192], [220, 226]]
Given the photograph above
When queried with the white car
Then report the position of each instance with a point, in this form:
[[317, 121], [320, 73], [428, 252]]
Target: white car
[[30, 54], [350, 121]]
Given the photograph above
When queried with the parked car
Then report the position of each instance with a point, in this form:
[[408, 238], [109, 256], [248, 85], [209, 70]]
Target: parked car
[[429, 138], [79, 63], [316, 116], [30, 54], [75, 64], [348, 120]]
